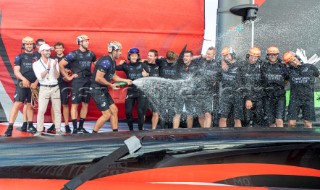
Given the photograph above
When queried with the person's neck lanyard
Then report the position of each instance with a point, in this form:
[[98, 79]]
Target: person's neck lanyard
[[48, 77]]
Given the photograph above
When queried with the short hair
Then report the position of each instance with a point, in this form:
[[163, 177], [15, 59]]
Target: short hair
[[212, 48], [171, 55], [154, 51], [58, 44], [39, 40], [188, 51]]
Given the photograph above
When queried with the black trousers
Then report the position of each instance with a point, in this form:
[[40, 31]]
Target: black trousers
[[255, 115], [141, 106]]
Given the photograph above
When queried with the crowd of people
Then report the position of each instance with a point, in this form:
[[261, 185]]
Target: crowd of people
[[248, 92]]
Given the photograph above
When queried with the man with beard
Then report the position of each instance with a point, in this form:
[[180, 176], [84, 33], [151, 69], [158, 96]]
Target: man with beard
[[188, 69], [274, 77], [26, 81], [208, 70], [47, 72], [302, 78], [254, 90], [80, 62], [104, 72]]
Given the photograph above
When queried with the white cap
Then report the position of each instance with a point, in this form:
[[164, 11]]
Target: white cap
[[45, 47]]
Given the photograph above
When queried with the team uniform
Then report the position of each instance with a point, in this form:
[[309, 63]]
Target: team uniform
[[25, 61], [232, 83], [208, 86], [254, 92], [99, 92], [80, 64], [63, 85], [187, 97], [302, 81], [273, 81], [167, 105], [133, 72], [154, 71]]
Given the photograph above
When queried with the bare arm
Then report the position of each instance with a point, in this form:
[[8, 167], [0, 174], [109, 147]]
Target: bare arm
[[56, 69], [62, 64], [44, 73], [17, 73], [100, 78], [118, 79]]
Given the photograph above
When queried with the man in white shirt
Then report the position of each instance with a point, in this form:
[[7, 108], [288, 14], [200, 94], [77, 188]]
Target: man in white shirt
[[47, 72]]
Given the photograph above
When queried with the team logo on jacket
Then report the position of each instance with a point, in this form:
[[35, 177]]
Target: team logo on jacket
[[305, 69]]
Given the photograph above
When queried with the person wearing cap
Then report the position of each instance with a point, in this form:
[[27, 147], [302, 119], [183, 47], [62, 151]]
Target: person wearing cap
[[254, 93], [104, 72], [134, 71], [80, 62], [47, 72], [38, 43], [232, 81], [302, 79], [27, 80], [274, 79]]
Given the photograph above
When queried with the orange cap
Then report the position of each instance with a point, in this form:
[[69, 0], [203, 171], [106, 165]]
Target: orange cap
[[227, 50], [255, 52], [272, 50], [27, 39], [288, 56]]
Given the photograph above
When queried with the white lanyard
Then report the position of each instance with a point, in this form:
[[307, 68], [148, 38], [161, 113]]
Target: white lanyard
[[48, 77]]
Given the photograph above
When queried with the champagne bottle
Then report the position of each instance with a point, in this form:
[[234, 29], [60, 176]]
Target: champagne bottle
[[121, 84]]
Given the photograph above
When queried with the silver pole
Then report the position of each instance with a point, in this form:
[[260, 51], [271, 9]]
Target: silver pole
[[252, 31]]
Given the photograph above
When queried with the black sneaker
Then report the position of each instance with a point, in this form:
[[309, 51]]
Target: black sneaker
[[82, 130], [75, 130], [68, 130], [8, 132], [23, 128], [52, 129], [32, 129]]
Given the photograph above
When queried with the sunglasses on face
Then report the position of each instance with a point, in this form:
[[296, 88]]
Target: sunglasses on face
[[273, 54]]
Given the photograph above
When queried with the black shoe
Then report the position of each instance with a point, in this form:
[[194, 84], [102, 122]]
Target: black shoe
[[68, 130], [32, 129], [82, 130], [52, 129], [8, 132], [75, 130], [22, 129]]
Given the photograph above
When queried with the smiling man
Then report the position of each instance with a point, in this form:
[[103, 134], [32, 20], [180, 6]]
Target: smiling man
[[47, 72], [26, 81], [302, 78]]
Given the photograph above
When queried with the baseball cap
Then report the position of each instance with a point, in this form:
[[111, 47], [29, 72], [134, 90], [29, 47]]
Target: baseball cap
[[45, 47]]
